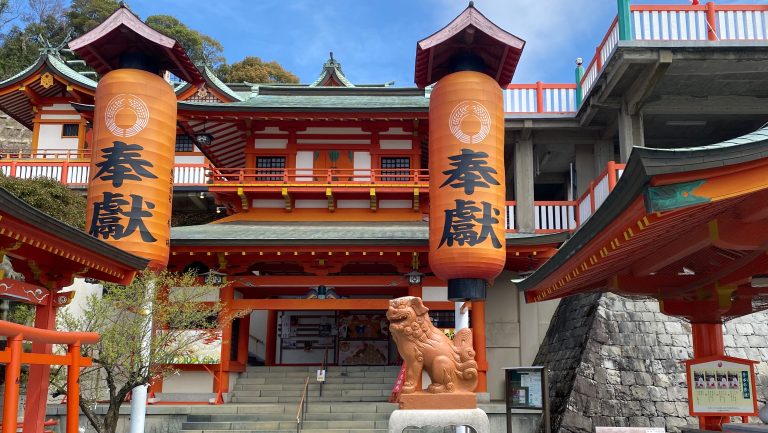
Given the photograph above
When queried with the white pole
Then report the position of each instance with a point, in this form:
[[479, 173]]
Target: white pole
[[139, 393], [462, 321]]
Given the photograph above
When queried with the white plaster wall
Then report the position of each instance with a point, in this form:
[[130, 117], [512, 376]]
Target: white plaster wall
[[321, 130], [395, 204], [50, 138], [362, 166], [58, 107], [353, 204], [311, 204], [340, 141], [395, 144], [74, 116], [304, 160], [189, 159], [395, 131], [268, 203], [434, 293], [271, 143], [188, 382]]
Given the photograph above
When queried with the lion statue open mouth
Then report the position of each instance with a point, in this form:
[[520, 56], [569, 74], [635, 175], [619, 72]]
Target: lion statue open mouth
[[450, 364]]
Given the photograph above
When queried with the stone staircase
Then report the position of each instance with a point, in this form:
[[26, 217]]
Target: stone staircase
[[354, 400]]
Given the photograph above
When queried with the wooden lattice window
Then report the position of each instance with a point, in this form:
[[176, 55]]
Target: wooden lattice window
[[185, 143], [70, 130], [395, 169], [270, 165]]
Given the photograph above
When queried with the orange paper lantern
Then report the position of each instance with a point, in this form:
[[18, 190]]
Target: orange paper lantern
[[467, 191], [131, 177]]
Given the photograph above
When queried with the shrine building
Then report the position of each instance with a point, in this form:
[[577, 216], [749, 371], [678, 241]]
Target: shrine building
[[319, 193]]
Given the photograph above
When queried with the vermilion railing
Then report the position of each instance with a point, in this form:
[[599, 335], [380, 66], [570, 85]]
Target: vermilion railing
[[14, 356], [540, 98], [709, 22], [317, 177], [560, 216], [75, 172]]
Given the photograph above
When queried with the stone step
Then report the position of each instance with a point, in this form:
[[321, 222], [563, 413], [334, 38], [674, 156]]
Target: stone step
[[309, 416], [294, 400], [292, 429], [281, 425], [312, 368], [300, 386], [312, 374], [313, 393], [300, 380]]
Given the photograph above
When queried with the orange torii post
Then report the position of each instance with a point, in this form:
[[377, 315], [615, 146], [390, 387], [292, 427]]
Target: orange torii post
[[13, 356]]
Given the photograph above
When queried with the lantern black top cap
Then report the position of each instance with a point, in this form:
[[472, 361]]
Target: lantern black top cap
[[105, 47], [494, 51]]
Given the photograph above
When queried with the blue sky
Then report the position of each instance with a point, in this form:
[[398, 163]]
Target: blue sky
[[375, 40]]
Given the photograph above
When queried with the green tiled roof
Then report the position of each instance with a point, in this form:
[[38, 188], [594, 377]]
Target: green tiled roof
[[322, 233], [209, 75], [57, 66], [297, 98], [70, 73]]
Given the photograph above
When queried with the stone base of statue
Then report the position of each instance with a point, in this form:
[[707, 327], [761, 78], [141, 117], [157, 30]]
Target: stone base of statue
[[403, 419], [429, 401]]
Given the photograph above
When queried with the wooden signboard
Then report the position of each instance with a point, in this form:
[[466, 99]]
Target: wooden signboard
[[721, 386]]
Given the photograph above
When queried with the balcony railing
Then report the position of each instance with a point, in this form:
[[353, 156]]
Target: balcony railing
[[72, 167], [540, 98], [559, 216], [682, 23], [256, 177]]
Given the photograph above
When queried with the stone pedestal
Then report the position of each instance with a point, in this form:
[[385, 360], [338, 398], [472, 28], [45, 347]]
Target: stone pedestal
[[475, 418], [427, 401]]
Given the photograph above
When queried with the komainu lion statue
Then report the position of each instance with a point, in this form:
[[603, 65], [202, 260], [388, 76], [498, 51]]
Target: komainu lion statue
[[450, 364]]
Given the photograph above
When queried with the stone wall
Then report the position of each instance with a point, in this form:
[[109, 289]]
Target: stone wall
[[13, 136], [616, 362]]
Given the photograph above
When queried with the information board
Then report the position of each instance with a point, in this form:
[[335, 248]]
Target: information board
[[525, 388], [721, 386]]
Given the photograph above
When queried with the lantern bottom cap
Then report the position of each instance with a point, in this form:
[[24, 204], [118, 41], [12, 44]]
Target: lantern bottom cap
[[463, 289]]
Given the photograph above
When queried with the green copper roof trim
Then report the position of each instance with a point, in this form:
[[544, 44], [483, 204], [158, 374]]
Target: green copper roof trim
[[56, 66], [209, 75], [332, 68], [674, 196]]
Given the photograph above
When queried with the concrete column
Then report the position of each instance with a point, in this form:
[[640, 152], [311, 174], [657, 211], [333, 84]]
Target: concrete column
[[585, 167], [630, 132], [603, 153], [524, 218]]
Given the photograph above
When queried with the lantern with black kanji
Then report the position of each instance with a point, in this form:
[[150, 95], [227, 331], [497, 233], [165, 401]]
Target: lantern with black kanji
[[131, 177], [467, 192]]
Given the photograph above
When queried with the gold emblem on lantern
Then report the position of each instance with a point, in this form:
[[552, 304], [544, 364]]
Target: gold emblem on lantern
[[126, 115], [470, 122]]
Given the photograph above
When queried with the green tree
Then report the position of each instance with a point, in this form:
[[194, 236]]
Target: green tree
[[201, 49], [21, 46], [254, 70], [121, 359], [84, 15], [49, 196]]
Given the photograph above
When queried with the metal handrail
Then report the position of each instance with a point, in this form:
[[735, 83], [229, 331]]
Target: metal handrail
[[302, 409], [324, 368]]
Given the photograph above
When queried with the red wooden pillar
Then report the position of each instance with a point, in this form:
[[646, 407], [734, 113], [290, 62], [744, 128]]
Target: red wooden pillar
[[39, 375], [270, 346], [73, 389], [708, 341], [415, 290], [243, 337], [221, 382], [12, 374], [477, 322]]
